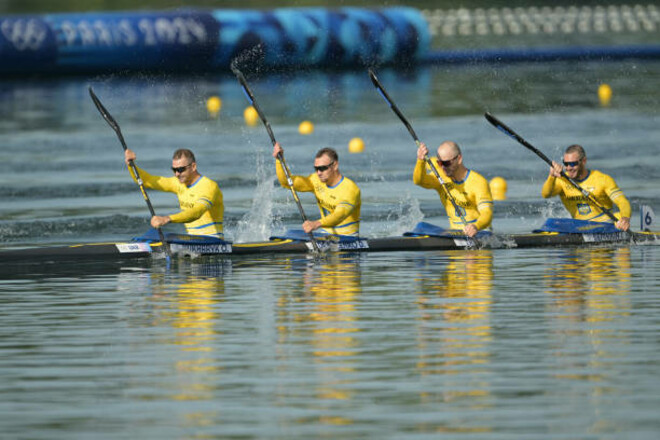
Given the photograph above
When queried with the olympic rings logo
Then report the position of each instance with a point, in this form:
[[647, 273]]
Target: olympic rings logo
[[24, 34]]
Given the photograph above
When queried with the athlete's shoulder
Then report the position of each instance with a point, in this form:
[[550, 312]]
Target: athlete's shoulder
[[208, 184], [477, 177], [599, 176], [349, 188], [350, 182]]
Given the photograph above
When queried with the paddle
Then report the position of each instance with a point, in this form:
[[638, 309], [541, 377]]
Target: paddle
[[253, 102], [428, 161], [506, 130], [111, 121]]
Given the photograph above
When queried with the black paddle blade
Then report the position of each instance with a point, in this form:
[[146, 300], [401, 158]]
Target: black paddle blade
[[381, 89], [242, 81], [501, 126], [493, 120], [108, 117], [250, 97], [244, 85], [507, 131], [374, 78], [390, 102], [104, 112]]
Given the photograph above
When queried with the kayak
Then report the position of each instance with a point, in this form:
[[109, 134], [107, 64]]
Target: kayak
[[194, 246]]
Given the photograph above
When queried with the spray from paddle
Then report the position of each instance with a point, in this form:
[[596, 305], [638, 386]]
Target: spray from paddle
[[256, 224]]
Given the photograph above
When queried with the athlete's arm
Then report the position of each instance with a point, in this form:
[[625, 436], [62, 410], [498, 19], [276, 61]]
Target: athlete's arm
[[485, 216], [422, 178], [550, 187], [484, 202], [619, 199], [191, 214], [300, 183], [159, 183], [337, 216]]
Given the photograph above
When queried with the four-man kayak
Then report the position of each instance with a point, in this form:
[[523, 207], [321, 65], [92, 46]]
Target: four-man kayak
[[183, 245]]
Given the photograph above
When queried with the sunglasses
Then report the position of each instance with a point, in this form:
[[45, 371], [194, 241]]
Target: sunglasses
[[446, 163], [180, 169], [322, 168], [571, 164]]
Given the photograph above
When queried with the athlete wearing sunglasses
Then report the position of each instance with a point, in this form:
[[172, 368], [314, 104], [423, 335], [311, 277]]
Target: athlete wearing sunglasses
[[337, 196], [600, 185], [200, 198], [468, 188]]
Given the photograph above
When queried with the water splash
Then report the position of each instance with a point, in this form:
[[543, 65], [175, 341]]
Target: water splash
[[553, 209], [405, 216], [256, 224]]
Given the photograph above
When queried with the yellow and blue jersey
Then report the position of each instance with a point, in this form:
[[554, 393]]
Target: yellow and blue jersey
[[472, 195], [339, 204], [603, 188], [201, 204]]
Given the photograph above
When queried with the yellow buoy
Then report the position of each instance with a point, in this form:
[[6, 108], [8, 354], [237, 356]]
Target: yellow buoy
[[306, 127], [498, 188], [356, 145], [604, 94], [213, 105], [251, 116]]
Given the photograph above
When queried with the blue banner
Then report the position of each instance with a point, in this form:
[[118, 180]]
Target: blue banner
[[27, 44], [183, 40], [195, 40]]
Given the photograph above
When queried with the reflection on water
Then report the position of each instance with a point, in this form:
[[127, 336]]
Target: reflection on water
[[554, 343], [188, 299], [455, 304], [334, 289], [326, 304], [590, 288], [590, 284]]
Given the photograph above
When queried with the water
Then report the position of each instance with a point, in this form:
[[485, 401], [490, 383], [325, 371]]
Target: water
[[535, 343], [484, 344]]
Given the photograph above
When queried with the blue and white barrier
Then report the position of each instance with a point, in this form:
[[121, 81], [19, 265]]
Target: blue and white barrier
[[195, 40], [192, 40]]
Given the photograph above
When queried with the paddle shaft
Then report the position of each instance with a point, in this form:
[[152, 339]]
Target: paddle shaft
[[280, 156], [428, 161], [115, 126], [506, 130]]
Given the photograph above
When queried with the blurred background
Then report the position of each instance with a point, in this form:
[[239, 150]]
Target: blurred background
[[453, 23]]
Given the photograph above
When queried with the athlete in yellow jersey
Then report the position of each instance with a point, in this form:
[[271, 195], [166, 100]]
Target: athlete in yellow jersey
[[468, 188], [200, 198], [603, 188], [338, 197]]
